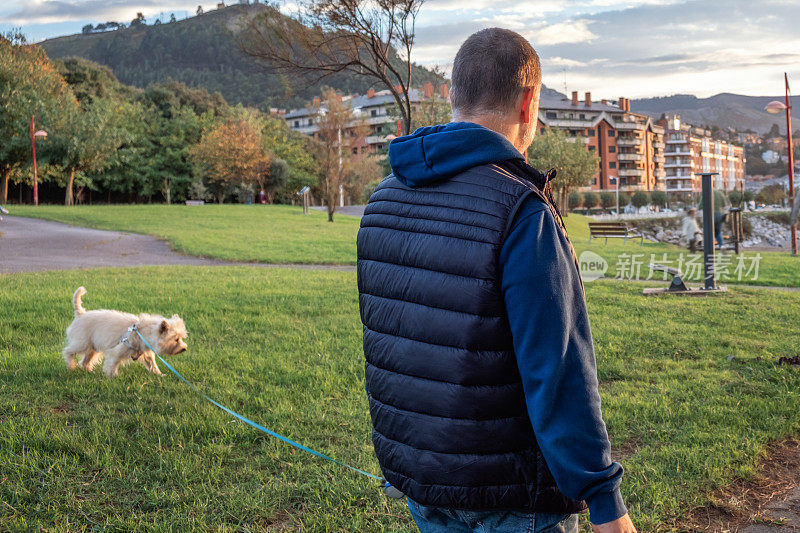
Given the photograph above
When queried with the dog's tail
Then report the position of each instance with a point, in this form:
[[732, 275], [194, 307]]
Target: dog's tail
[[76, 301]]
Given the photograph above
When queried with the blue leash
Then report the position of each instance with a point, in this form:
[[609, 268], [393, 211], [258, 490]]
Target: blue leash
[[387, 488]]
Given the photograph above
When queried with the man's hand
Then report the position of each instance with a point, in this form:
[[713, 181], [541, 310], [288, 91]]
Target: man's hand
[[622, 524]]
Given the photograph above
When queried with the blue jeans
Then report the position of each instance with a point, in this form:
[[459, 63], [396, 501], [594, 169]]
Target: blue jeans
[[443, 520]]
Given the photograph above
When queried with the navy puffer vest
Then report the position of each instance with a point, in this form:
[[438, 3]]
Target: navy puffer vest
[[450, 424]]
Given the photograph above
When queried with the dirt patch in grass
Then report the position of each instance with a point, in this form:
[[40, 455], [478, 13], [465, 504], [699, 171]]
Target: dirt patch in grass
[[743, 502]]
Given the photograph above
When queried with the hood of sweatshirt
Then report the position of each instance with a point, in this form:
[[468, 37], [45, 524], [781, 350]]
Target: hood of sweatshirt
[[436, 153]]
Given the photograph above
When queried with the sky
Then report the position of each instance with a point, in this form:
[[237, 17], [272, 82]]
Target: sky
[[635, 49]]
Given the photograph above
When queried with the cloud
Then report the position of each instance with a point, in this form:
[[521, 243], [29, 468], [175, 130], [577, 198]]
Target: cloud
[[571, 31], [57, 11]]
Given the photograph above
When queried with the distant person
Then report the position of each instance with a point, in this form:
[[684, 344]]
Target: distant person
[[690, 229], [262, 197], [480, 368], [720, 218]]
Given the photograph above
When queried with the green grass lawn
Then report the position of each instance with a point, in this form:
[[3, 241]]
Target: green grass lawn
[[254, 233], [283, 347], [281, 234]]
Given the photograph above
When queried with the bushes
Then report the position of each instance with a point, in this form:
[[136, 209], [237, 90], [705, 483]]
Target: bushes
[[608, 200], [590, 199], [575, 200], [640, 199]]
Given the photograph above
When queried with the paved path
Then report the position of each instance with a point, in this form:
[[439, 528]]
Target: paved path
[[29, 244]]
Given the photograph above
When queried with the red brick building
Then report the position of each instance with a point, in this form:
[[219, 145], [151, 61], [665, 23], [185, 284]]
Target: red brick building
[[630, 145]]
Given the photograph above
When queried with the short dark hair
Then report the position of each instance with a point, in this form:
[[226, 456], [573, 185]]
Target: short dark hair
[[490, 71]]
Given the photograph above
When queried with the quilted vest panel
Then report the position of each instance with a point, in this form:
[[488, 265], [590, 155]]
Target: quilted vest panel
[[450, 423]]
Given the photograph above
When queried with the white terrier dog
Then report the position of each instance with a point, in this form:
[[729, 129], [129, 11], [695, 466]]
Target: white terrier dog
[[113, 333]]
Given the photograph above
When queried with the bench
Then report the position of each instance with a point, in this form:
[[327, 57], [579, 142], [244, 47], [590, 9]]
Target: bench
[[612, 230], [195, 202]]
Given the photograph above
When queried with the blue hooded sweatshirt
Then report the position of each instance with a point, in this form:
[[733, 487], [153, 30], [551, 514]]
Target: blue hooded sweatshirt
[[547, 314]]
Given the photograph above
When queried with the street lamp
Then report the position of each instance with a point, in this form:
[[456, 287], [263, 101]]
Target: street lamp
[[42, 135], [776, 107], [614, 179]]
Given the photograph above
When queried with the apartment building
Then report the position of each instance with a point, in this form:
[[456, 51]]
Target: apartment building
[[691, 151], [376, 108], [630, 145]]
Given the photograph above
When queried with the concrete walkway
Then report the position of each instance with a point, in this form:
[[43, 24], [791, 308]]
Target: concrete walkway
[[29, 244]]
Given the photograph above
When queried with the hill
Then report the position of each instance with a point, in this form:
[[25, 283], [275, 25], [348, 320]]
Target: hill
[[202, 52], [724, 110]]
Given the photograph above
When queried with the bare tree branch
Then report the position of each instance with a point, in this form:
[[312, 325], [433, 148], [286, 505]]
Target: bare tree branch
[[333, 36]]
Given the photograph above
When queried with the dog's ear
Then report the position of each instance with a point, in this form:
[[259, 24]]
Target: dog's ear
[[164, 327]]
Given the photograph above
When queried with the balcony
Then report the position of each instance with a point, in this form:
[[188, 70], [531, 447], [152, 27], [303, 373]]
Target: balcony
[[658, 144], [659, 158], [630, 126], [660, 173], [678, 164], [629, 141], [676, 141], [634, 172], [629, 157]]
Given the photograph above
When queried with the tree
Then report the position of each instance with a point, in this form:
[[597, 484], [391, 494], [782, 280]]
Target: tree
[[640, 199], [29, 86], [748, 195], [574, 164], [230, 154], [771, 194], [334, 36], [138, 21], [658, 198], [341, 140], [624, 199], [575, 200], [87, 29], [278, 177], [172, 17], [608, 199], [84, 143], [735, 196], [590, 199], [199, 10]]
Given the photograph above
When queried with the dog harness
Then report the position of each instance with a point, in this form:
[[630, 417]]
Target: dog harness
[[126, 342]]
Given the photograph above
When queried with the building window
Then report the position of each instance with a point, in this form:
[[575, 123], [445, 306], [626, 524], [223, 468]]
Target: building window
[[296, 123], [373, 113], [610, 133], [612, 164], [379, 129], [592, 148], [550, 114], [591, 132], [612, 149], [582, 116]]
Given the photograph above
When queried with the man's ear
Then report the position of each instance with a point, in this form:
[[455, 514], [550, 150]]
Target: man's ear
[[525, 111], [164, 327]]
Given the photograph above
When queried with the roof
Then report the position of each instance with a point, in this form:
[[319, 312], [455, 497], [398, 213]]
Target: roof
[[381, 98], [566, 105]]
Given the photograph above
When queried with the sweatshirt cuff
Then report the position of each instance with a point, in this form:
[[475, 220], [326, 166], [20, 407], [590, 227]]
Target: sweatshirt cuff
[[606, 507]]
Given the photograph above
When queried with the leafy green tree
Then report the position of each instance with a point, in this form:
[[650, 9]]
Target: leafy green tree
[[85, 143], [89, 80], [748, 195], [658, 198], [640, 199], [590, 199], [575, 200], [608, 199], [29, 86], [278, 177], [575, 165], [624, 199], [735, 196]]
